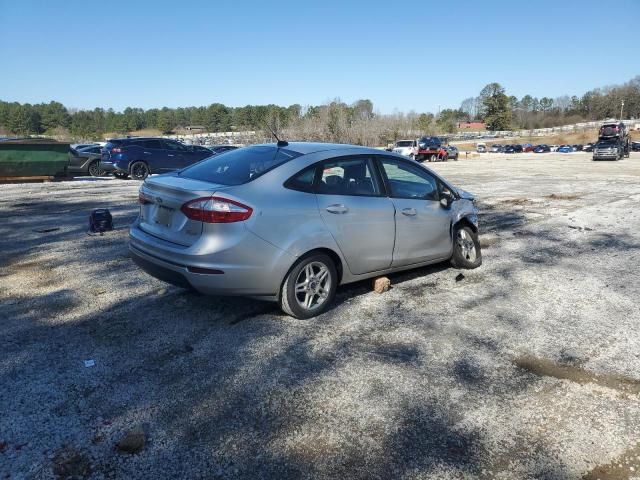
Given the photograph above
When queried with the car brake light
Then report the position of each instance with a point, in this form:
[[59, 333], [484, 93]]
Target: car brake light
[[142, 198], [216, 210]]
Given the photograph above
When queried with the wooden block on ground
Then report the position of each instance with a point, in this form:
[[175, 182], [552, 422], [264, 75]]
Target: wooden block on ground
[[381, 284]]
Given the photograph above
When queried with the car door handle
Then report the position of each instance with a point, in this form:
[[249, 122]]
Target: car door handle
[[147, 153], [409, 212], [170, 155], [337, 209]]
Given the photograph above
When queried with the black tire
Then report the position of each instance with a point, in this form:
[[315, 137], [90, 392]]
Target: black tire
[[139, 171], [292, 302], [121, 176], [466, 248], [94, 169]]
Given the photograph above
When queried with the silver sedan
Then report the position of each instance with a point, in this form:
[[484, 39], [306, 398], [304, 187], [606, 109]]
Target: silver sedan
[[291, 221]]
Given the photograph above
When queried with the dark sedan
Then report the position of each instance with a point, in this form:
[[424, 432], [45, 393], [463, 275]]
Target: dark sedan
[[542, 149], [453, 152], [85, 160]]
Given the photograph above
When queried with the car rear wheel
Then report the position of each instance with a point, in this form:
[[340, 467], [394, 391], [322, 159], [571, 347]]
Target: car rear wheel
[[139, 171], [466, 248], [309, 287], [94, 169]]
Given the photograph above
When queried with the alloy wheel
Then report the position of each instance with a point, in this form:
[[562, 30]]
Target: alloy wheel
[[466, 245], [313, 285], [94, 169]]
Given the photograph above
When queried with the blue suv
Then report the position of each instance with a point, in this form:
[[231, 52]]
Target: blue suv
[[140, 157]]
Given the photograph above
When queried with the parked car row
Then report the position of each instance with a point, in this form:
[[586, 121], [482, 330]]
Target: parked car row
[[137, 157], [527, 147]]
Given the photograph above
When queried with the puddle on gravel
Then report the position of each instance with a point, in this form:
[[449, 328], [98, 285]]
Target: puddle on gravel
[[626, 466], [560, 196], [515, 201], [548, 368]]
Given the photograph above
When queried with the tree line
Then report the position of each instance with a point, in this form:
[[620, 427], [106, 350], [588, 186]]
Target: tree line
[[334, 121]]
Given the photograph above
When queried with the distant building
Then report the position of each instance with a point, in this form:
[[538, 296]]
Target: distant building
[[472, 126]]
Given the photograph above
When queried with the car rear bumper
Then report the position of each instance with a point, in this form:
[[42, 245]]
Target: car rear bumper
[[110, 167], [252, 267]]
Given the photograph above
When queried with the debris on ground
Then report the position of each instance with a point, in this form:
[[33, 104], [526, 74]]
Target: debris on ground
[[133, 441], [46, 230], [381, 284], [459, 277], [70, 463]]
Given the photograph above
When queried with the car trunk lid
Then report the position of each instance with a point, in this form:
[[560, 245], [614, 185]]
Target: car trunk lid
[[161, 199]]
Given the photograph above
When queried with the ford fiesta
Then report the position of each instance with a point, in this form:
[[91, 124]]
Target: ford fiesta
[[291, 221]]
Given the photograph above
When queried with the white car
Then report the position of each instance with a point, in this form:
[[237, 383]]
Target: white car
[[408, 148]]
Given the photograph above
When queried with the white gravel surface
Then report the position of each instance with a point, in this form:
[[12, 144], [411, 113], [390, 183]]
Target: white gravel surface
[[529, 367]]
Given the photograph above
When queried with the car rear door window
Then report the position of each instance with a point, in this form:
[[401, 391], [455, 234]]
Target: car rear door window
[[348, 176], [154, 144], [409, 181], [303, 181], [178, 147]]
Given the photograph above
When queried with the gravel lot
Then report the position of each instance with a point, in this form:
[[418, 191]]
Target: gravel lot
[[529, 367]]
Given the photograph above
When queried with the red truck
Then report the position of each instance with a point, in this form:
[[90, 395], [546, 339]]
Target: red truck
[[431, 149]]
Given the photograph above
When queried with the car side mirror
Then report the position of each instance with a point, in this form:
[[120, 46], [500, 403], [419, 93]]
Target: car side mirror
[[446, 198]]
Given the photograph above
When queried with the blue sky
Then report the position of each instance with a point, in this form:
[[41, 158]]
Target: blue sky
[[171, 53]]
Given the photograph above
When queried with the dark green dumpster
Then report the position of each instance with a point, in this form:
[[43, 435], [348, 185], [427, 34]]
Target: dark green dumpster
[[33, 158]]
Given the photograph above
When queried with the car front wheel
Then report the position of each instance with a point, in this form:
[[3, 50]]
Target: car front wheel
[[139, 171], [309, 287], [466, 248]]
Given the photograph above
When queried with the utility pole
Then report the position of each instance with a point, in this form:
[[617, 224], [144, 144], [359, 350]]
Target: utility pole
[[621, 108]]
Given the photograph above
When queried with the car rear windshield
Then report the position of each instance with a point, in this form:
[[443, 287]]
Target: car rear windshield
[[408, 143], [236, 167]]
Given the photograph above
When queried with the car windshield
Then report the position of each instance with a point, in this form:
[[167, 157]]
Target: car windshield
[[236, 167], [407, 143], [430, 140]]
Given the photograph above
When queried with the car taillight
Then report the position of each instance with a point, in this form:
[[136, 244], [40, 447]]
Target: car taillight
[[142, 199], [116, 150], [216, 210]]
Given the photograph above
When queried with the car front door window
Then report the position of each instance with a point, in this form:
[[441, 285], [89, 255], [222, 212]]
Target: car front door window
[[407, 181]]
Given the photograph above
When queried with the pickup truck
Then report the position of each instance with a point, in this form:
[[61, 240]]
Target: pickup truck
[[408, 148]]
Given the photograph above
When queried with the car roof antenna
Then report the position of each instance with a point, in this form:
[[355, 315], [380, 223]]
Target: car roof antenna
[[281, 143]]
